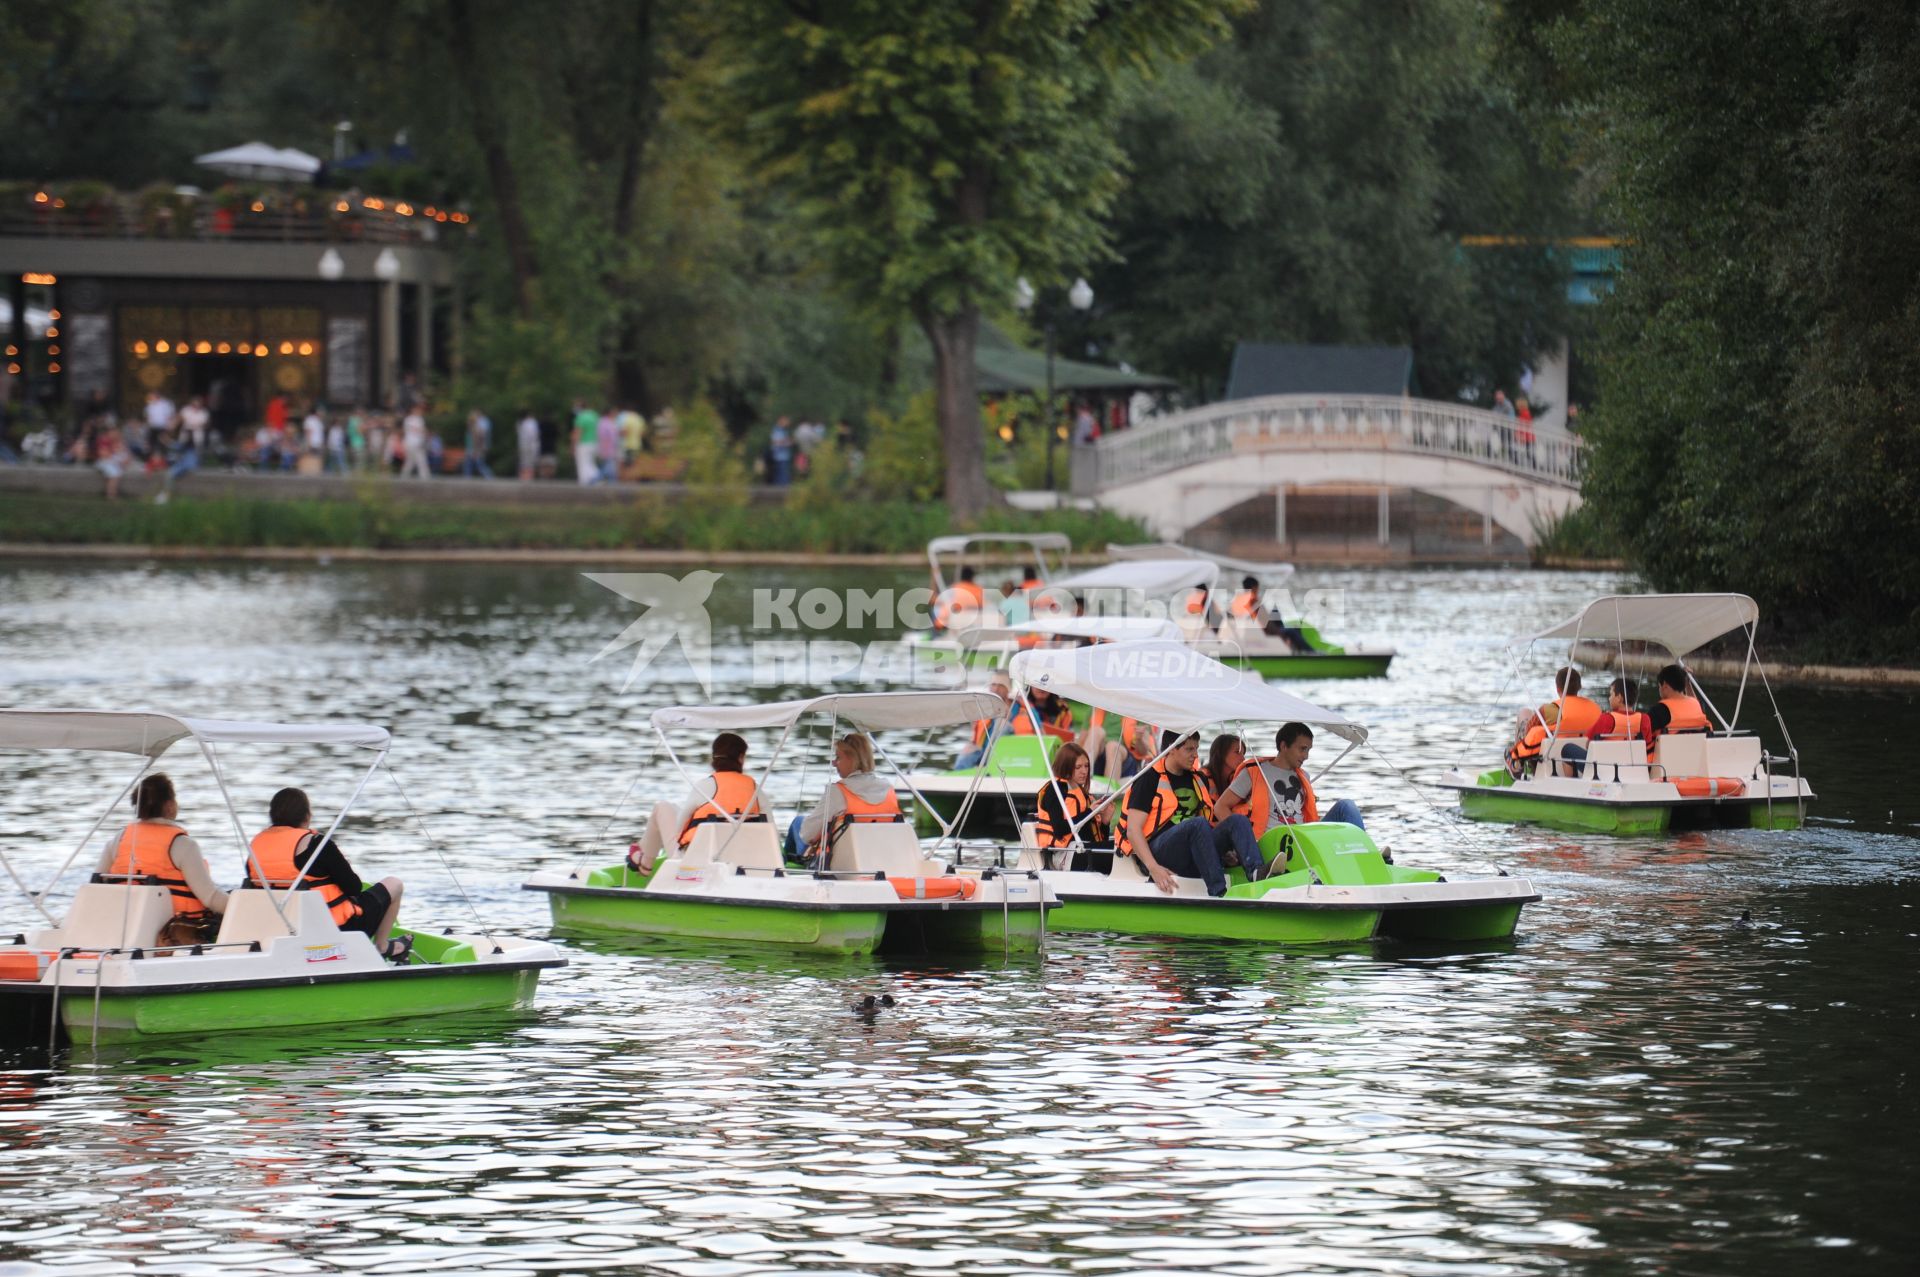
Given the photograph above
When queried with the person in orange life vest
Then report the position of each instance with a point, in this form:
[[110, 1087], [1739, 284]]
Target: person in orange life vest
[[1170, 823], [963, 596], [1129, 753], [1055, 715], [156, 846], [1567, 718], [1276, 791], [1620, 722], [289, 850], [1247, 607], [1199, 606], [729, 789], [988, 730], [1072, 773], [859, 794], [1224, 757], [1677, 711]]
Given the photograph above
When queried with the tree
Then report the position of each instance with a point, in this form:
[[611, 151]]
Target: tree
[[936, 152], [1312, 180]]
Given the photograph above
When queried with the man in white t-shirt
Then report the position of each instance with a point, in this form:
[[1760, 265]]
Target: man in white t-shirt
[[315, 429], [529, 441], [193, 421], [413, 438], [159, 412]]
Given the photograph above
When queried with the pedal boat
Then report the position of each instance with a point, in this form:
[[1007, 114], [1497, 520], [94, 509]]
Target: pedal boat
[[1723, 778], [1244, 645], [97, 975], [880, 888], [1336, 886], [1044, 552]]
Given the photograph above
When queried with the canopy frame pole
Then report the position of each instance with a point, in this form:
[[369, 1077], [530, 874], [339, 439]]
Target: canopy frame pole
[[1746, 668], [145, 764], [1793, 752], [240, 835], [441, 855], [1448, 817]]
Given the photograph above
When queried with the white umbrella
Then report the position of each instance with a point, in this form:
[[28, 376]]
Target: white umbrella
[[258, 160]]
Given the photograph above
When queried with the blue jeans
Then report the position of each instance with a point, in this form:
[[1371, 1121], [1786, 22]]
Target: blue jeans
[[793, 839], [185, 464], [474, 465], [1193, 849], [1346, 812]]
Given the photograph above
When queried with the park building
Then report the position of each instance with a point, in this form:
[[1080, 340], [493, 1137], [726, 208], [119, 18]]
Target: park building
[[237, 297]]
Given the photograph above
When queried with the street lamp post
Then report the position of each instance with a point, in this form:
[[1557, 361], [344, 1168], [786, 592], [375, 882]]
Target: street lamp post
[[1080, 297]]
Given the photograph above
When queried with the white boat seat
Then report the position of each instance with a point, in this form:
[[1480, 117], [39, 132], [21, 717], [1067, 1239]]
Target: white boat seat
[[1629, 756], [111, 915], [1193, 627], [1031, 857], [1683, 754], [1030, 833], [750, 843], [1733, 756], [889, 848], [1127, 869], [251, 916]]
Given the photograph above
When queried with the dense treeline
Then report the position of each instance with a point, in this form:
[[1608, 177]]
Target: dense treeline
[[1762, 353], [768, 204]]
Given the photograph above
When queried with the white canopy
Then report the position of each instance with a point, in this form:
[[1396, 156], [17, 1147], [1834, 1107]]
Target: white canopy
[[1269, 573], [1170, 685], [149, 733], [1112, 629], [1678, 622], [258, 160], [870, 711], [1038, 540], [1150, 576]]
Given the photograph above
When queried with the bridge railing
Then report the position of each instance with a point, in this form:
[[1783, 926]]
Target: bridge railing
[[1282, 422]]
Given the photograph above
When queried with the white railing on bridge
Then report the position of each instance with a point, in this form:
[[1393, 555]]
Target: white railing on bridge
[[1281, 422]]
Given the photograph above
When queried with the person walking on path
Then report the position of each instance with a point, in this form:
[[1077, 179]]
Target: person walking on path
[[528, 438], [413, 438], [479, 440], [586, 439]]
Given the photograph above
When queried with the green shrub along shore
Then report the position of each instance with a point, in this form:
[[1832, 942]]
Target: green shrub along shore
[[856, 527]]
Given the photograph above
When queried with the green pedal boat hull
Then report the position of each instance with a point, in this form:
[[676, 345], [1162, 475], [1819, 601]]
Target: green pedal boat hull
[[622, 913], [1227, 919]]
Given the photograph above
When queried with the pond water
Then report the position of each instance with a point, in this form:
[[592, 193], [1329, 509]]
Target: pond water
[[1695, 1058]]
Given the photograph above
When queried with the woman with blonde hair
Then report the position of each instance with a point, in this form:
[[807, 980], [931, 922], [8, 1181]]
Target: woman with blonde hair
[[857, 796]]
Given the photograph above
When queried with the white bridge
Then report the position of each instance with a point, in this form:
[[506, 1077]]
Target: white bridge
[[1176, 472]]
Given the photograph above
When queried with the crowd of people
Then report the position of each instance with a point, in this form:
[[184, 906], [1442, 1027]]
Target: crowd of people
[[1560, 731]]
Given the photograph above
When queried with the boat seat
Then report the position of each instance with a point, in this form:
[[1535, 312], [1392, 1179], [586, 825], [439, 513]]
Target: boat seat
[[891, 849], [751, 843], [111, 915], [251, 916], [1683, 754], [1193, 627], [1031, 857], [1630, 756], [1127, 869], [1733, 756]]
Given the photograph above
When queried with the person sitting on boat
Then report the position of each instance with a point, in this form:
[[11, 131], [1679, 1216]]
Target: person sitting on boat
[[1567, 719], [1224, 757], [963, 600], [1030, 582], [1199, 608], [1170, 825], [1015, 609], [1055, 715], [1677, 711], [289, 851], [156, 848], [1276, 791], [1248, 609], [729, 791], [859, 795], [1126, 755], [988, 730], [1064, 802], [1620, 722]]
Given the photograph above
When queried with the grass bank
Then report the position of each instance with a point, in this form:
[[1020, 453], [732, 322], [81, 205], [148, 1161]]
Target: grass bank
[[378, 522]]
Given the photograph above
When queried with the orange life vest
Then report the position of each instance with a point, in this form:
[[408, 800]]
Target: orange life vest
[[1577, 717], [1260, 797], [860, 811], [1626, 725], [146, 851], [961, 596], [733, 795], [274, 860], [1032, 583], [1685, 714], [1059, 725], [1166, 802], [1074, 802], [1245, 603], [1197, 603]]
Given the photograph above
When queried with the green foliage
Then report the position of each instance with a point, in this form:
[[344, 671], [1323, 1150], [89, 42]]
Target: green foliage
[[1580, 534], [515, 364], [903, 452], [1312, 179], [1762, 363]]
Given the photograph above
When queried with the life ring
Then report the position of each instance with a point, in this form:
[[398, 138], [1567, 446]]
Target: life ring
[[1709, 786], [934, 888]]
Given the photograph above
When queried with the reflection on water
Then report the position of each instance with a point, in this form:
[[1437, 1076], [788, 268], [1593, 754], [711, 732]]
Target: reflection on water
[[1693, 1060]]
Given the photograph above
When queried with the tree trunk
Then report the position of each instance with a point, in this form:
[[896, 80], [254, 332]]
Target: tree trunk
[[490, 133], [956, 391], [631, 383]]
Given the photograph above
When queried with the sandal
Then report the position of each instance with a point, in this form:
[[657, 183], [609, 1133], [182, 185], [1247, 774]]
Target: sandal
[[399, 950]]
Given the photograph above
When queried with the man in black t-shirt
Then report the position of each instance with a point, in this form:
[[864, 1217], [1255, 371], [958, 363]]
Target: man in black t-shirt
[[1169, 827]]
